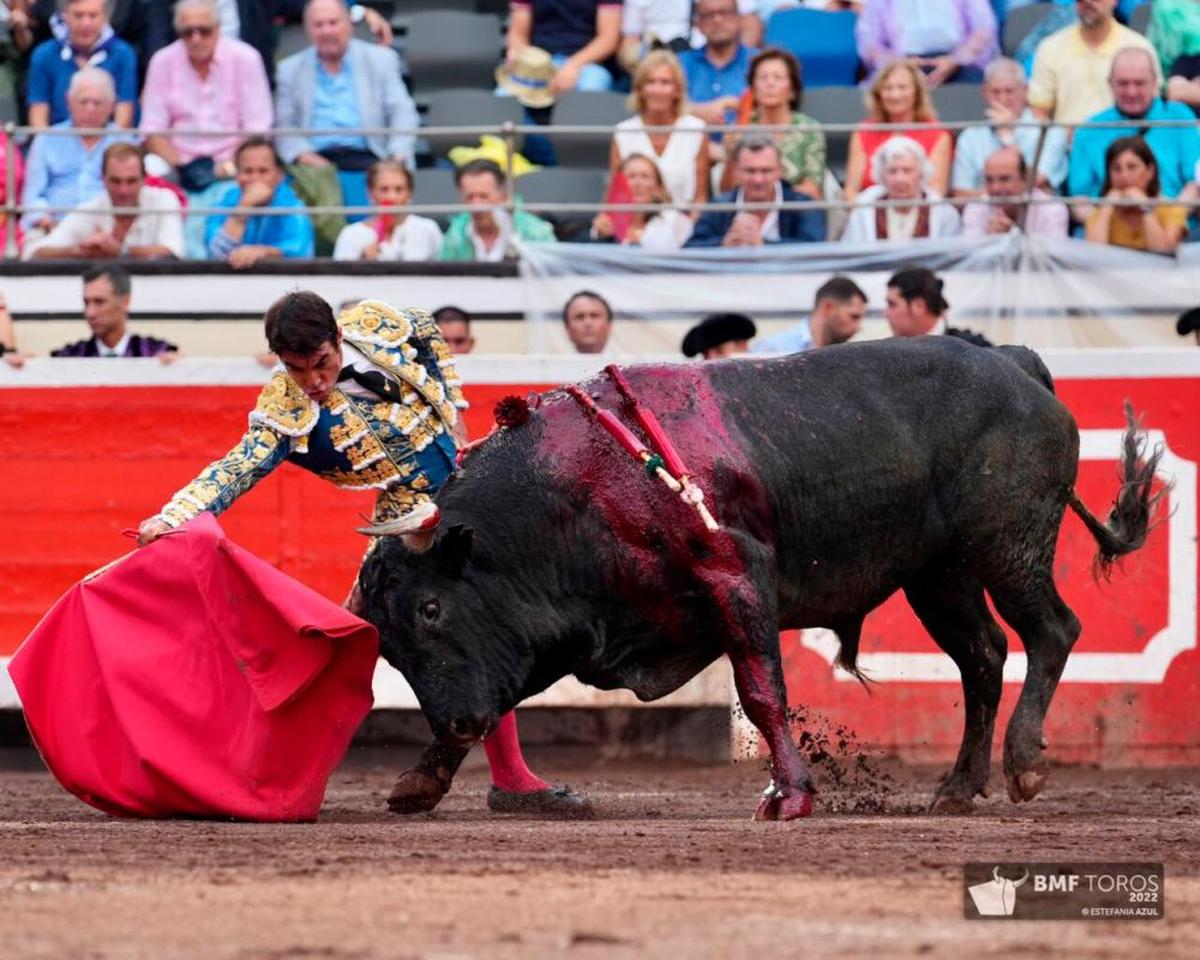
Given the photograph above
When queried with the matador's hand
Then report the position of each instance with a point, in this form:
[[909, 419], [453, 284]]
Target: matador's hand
[[151, 530]]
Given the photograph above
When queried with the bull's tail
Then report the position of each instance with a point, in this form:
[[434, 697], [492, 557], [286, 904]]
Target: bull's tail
[[1135, 511]]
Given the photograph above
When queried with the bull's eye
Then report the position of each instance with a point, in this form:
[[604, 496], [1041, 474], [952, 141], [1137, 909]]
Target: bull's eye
[[430, 611]]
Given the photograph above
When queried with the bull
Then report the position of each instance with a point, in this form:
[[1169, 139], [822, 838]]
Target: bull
[[838, 476]]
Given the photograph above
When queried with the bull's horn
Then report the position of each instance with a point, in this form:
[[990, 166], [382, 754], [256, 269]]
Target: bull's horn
[[423, 518]]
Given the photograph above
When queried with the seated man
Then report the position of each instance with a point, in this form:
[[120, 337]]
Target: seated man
[[83, 38], [487, 231], [579, 36], [1004, 92], [245, 240], [719, 335], [588, 320], [93, 231], [716, 72], [1005, 175], [1133, 80], [106, 291], [759, 175], [1067, 80], [837, 315], [64, 171], [203, 81], [343, 84], [949, 40]]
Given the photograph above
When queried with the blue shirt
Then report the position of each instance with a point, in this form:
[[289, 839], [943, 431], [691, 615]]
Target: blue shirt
[[291, 234], [335, 105], [1176, 149], [976, 144], [795, 340], [53, 65], [706, 81], [62, 172]]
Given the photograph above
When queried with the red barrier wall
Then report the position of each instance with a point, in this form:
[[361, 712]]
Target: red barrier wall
[[81, 463]]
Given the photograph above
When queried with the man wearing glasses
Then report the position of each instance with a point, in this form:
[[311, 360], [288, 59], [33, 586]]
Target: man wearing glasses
[[208, 82], [716, 72]]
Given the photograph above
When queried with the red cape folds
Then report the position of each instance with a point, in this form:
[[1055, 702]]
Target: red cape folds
[[192, 678]]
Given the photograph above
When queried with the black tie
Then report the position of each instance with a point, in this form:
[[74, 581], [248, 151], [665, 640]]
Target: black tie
[[374, 381]]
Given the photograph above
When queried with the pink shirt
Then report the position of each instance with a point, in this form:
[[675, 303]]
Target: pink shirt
[[1043, 219], [234, 96]]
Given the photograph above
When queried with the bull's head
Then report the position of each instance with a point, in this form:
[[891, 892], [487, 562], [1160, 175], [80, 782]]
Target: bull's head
[[440, 609]]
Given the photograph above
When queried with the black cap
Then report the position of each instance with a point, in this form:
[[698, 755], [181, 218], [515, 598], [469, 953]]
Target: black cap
[[717, 329], [1188, 322]]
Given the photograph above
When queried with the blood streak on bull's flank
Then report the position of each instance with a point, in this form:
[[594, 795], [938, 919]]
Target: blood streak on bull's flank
[[661, 533]]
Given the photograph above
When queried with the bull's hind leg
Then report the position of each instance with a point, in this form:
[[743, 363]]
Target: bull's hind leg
[[952, 607], [1048, 629]]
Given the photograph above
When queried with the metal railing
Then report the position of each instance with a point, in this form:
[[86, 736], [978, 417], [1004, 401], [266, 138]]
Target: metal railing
[[511, 133]]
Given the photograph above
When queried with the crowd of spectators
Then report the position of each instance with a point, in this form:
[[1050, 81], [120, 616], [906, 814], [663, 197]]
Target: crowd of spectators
[[154, 107]]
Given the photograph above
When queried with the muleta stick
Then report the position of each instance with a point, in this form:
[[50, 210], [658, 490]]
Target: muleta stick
[[631, 444], [690, 492]]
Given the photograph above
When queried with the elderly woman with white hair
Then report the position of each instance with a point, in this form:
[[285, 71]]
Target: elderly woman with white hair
[[901, 171]]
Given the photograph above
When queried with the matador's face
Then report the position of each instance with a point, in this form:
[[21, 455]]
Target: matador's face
[[316, 373]]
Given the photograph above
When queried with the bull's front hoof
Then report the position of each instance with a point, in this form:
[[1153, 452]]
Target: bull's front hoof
[[1027, 785], [415, 791], [779, 807], [561, 803]]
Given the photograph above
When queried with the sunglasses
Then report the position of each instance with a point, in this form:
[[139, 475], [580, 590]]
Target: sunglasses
[[189, 32]]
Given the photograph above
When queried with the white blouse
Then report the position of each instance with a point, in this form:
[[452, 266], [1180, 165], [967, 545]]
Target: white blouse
[[416, 238], [668, 230], [677, 163]]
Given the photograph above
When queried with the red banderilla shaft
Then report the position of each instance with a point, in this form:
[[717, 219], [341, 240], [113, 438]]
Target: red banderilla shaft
[[621, 433], [649, 422]]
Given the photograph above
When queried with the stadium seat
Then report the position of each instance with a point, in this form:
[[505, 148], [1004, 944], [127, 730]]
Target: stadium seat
[[1139, 19], [823, 41], [955, 102], [452, 48], [435, 185], [564, 185], [1019, 23], [464, 107], [835, 105], [601, 110]]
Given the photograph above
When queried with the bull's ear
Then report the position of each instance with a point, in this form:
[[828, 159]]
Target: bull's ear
[[454, 549]]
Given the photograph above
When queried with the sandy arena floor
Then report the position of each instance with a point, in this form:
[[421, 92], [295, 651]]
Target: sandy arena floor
[[672, 867]]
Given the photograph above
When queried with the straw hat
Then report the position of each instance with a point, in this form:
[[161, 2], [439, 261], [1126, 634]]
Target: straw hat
[[528, 79]]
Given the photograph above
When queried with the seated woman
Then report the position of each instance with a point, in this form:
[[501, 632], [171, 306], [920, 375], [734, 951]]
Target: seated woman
[[776, 87], [659, 98], [903, 170], [650, 230], [1131, 173], [898, 95], [389, 236]]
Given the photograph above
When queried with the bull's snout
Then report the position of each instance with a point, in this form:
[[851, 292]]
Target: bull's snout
[[468, 730]]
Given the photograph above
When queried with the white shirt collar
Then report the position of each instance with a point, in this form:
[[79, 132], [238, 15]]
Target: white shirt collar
[[117, 351], [500, 248]]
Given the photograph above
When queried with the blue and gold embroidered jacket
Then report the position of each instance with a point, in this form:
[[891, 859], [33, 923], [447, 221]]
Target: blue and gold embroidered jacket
[[404, 449]]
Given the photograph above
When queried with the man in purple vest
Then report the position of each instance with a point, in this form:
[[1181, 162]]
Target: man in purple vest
[[106, 307]]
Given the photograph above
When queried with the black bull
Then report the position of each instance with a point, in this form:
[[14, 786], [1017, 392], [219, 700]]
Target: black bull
[[838, 476]]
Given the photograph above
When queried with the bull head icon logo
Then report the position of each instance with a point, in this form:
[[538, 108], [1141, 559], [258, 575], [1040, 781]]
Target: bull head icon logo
[[998, 896]]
